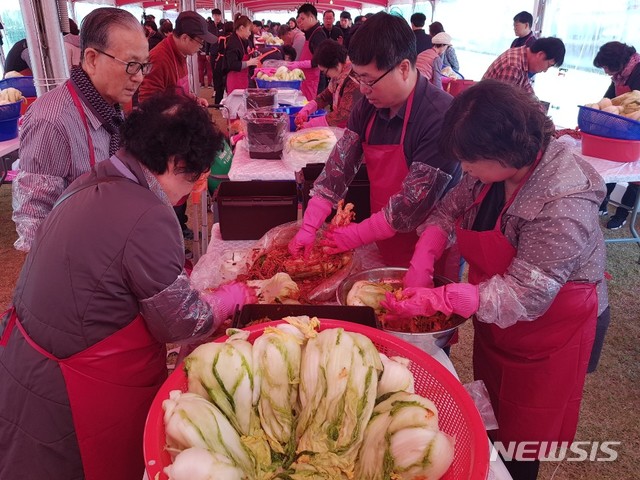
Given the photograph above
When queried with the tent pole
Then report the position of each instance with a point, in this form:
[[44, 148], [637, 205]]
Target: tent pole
[[44, 38]]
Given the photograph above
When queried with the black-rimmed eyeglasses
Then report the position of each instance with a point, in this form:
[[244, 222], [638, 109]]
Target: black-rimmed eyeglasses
[[132, 67], [370, 85]]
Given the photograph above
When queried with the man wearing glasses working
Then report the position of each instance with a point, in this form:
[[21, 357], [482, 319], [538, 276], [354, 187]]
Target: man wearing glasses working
[[169, 59], [77, 124], [394, 129]]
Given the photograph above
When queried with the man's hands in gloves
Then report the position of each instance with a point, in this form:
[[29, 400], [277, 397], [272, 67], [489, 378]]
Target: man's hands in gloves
[[355, 235], [460, 298], [318, 209]]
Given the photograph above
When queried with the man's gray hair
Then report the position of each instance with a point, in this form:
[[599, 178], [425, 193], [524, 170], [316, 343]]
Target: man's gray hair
[[94, 31]]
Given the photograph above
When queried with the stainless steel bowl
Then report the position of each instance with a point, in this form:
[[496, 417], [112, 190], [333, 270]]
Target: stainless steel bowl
[[430, 342]]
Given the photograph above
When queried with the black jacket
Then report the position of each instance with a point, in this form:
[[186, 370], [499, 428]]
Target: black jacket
[[423, 41]]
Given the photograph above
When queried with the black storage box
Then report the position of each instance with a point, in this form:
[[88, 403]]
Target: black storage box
[[358, 192], [247, 210], [249, 313]]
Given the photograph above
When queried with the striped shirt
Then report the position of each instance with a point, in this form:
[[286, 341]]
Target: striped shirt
[[511, 67], [54, 151]]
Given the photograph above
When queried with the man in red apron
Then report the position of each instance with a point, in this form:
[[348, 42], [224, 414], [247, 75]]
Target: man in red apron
[[525, 219], [314, 36], [394, 131], [169, 57]]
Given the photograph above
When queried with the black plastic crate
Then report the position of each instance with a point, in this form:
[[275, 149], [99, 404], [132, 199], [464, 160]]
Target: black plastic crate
[[247, 210], [250, 313], [358, 192]]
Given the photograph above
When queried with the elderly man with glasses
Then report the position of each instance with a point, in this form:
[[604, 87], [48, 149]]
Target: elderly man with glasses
[[76, 125], [395, 130]]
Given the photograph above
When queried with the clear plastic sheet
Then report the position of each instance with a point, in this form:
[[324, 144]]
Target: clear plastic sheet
[[217, 268], [524, 293], [421, 189], [295, 155], [177, 314], [34, 195], [340, 169], [480, 396], [266, 132]]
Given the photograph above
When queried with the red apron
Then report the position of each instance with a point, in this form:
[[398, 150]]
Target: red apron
[[311, 80], [387, 169], [621, 89], [110, 386], [83, 117], [534, 370], [238, 80]]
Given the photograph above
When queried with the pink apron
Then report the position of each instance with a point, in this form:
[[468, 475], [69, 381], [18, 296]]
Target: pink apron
[[534, 370], [309, 86]]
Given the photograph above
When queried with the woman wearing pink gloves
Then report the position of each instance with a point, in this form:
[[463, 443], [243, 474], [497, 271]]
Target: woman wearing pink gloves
[[525, 217], [82, 351], [342, 93]]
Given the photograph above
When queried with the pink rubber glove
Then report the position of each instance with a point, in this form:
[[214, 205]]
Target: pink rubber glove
[[318, 209], [319, 121], [460, 298], [224, 300], [429, 248], [357, 234], [303, 115], [299, 64]]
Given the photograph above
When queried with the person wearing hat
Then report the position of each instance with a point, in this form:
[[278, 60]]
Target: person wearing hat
[[169, 57], [169, 60], [429, 62], [449, 58]]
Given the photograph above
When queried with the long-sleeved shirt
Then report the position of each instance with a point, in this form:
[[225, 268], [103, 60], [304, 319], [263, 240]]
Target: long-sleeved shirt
[[553, 225], [408, 208], [511, 67], [525, 41], [169, 65], [342, 94], [429, 64], [450, 59], [54, 151]]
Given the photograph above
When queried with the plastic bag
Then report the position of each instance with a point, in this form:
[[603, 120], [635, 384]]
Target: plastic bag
[[217, 268], [260, 98], [421, 189], [311, 145], [480, 396], [266, 132]]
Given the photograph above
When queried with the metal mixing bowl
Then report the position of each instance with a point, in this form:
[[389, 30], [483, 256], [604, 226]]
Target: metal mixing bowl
[[430, 342]]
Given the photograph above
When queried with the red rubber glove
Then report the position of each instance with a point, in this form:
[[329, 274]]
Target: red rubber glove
[[224, 300], [318, 209], [460, 298], [354, 235], [299, 64], [429, 248], [303, 115], [319, 121]]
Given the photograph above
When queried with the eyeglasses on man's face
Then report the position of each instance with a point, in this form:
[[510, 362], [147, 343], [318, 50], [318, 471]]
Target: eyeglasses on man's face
[[370, 85], [132, 68], [199, 41]]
